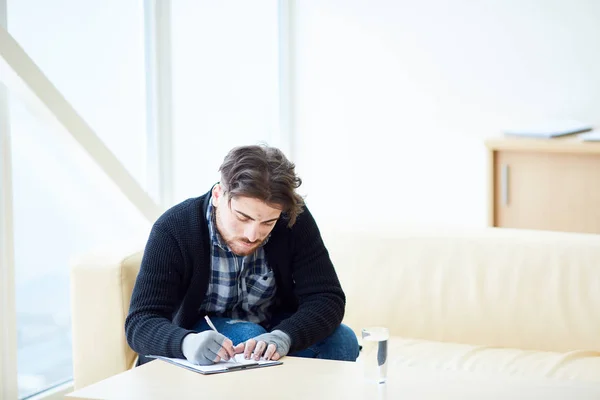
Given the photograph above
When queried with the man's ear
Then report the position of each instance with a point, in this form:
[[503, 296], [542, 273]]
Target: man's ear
[[217, 193]]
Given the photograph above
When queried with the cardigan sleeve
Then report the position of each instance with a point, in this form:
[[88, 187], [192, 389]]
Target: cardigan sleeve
[[156, 295]]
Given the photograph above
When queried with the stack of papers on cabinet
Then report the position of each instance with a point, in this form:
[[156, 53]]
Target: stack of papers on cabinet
[[592, 136], [550, 129]]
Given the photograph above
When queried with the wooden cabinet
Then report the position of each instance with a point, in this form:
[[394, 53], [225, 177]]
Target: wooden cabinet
[[547, 184]]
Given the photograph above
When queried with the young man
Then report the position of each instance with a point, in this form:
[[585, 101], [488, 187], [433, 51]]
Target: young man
[[250, 256]]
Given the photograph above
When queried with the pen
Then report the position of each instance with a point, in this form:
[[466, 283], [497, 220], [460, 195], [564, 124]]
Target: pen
[[209, 322]]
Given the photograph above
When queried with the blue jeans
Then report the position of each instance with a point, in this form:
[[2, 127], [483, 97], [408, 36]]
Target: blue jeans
[[340, 345]]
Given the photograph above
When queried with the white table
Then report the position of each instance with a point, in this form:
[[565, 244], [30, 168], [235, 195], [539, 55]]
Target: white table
[[300, 378]]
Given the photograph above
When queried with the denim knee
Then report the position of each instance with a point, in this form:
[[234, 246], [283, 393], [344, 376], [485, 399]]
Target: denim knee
[[341, 345], [240, 331], [237, 330], [348, 342]]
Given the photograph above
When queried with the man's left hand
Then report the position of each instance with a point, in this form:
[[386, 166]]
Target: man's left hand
[[273, 345]]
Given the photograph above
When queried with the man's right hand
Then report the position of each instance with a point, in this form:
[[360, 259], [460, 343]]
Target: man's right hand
[[207, 347]]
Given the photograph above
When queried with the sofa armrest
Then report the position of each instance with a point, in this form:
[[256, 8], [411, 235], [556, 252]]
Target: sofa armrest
[[101, 286]]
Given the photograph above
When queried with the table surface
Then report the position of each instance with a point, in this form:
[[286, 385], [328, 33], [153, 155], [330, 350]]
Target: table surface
[[301, 378]]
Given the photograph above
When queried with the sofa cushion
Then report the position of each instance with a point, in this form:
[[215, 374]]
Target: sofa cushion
[[573, 365]]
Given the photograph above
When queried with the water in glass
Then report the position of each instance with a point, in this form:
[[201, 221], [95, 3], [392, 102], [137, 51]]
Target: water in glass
[[375, 353]]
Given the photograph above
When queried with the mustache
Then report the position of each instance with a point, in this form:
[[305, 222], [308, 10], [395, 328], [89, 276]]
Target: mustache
[[249, 242]]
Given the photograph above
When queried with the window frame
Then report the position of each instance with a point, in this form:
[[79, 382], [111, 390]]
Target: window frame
[[8, 324]]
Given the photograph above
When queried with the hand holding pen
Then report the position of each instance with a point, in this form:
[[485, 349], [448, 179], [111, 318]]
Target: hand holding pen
[[237, 349], [208, 347]]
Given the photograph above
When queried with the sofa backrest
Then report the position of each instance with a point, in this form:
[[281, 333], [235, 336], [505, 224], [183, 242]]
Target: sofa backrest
[[497, 287], [494, 287]]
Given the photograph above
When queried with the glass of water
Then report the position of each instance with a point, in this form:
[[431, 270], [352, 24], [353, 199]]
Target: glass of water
[[375, 353]]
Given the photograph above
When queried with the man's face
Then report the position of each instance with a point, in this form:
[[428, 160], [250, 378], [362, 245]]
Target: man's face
[[244, 223]]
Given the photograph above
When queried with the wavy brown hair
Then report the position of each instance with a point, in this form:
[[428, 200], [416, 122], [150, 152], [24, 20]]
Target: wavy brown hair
[[263, 173]]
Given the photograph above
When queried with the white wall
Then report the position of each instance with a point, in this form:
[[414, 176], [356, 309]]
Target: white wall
[[393, 99]]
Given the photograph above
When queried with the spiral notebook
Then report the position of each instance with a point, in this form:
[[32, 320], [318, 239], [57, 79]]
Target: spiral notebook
[[238, 363]]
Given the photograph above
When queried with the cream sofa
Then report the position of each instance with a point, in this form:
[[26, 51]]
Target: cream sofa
[[494, 300]]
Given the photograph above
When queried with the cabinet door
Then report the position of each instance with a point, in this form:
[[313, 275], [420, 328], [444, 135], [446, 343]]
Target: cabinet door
[[549, 191]]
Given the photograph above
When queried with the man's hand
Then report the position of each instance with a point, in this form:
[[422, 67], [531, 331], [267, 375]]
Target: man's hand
[[276, 343], [208, 347]]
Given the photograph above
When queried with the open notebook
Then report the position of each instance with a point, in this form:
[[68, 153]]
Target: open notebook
[[238, 363]]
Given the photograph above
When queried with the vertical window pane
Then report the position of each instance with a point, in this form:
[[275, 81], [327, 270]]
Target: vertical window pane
[[64, 205], [93, 52], [225, 84]]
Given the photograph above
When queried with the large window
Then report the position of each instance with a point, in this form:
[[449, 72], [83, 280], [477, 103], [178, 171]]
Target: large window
[[93, 52], [63, 205]]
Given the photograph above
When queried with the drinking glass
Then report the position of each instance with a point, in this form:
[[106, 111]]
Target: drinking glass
[[374, 353]]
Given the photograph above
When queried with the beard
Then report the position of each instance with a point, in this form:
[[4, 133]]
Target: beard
[[239, 246]]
